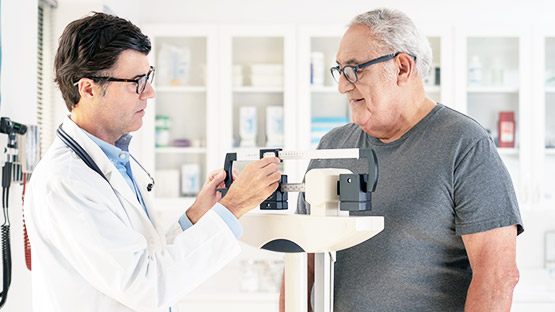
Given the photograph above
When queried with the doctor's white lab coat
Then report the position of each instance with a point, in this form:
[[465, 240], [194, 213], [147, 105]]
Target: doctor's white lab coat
[[95, 249]]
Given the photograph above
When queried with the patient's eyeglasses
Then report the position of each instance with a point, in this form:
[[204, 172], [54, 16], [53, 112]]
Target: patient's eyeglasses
[[350, 71]]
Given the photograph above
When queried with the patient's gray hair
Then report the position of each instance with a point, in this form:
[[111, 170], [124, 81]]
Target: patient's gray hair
[[394, 31]]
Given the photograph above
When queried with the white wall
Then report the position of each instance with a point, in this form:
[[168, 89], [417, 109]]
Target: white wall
[[66, 12], [19, 63], [19, 95], [333, 11]]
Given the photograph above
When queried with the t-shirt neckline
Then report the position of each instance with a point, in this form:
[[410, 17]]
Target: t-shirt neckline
[[412, 130]]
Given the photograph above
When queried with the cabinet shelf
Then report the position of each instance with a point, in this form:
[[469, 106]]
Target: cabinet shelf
[[492, 89], [181, 150], [432, 89], [181, 89], [550, 151], [550, 89], [258, 89], [324, 89], [506, 151]]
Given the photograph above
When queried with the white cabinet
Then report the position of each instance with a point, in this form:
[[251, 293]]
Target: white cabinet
[[439, 83], [493, 66], [544, 117], [262, 67], [548, 192], [206, 76], [257, 82], [213, 72], [178, 129], [322, 107], [517, 76]]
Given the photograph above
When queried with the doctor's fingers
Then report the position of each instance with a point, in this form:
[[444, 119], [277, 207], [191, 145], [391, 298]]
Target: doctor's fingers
[[270, 188], [260, 176], [274, 177], [214, 179], [218, 174], [266, 167], [261, 163]]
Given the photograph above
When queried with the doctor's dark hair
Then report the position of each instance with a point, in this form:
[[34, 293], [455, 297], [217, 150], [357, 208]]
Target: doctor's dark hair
[[392, 32], [90, 47]]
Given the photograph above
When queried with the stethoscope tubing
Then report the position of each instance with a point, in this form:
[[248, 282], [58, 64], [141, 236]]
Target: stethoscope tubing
[[74, 146]]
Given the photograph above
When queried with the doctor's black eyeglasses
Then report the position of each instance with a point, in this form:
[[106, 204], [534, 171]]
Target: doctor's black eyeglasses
[[350, 72], [140, 81]]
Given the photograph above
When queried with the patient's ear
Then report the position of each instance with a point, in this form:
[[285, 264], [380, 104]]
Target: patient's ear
[[405, 68]]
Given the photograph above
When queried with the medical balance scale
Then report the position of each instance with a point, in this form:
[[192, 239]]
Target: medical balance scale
[[331, 193]]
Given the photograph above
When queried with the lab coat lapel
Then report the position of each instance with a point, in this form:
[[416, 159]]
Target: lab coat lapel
[[142, 181], [120, 186], [125, 192]]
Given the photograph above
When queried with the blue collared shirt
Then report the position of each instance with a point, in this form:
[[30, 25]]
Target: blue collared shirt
[[119, 156]]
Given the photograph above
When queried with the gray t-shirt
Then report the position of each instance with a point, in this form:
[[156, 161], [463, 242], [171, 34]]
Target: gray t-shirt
[[442, 179]]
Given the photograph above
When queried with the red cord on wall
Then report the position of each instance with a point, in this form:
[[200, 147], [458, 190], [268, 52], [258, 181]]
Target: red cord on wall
[[26, 243]]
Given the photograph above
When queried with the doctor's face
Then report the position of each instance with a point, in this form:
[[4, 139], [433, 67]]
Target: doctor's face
[[372, 97], [120, 109]]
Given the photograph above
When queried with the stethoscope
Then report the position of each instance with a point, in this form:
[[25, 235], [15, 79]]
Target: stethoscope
[[74, 146]]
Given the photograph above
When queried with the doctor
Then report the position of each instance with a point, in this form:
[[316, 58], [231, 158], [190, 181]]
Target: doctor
[[96, 243]]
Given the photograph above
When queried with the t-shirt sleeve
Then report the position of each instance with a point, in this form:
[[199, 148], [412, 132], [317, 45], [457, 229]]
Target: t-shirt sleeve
[[484, 196]]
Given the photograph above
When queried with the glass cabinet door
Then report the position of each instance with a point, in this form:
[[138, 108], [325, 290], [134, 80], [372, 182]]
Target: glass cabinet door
[[494, 88], [328, 108], [257, 91], [548, 196], [432, 82], [257, 103], [177, 116]]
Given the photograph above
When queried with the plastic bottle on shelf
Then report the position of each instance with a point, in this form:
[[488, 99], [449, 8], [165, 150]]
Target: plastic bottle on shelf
[[437, 75], [247, 126], [181, 66], [190, 179], [507, 129], [317, 68], [433, 77], [497, 72], [164, 68], [274, 126], [475, 71], [162, 131]]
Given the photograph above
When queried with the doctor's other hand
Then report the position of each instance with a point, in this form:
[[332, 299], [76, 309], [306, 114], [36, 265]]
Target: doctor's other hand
[[256, 182], [208, 196]]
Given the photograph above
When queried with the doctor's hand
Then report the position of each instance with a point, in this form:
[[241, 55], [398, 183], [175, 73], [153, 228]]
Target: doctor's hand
[[208, 196], [256, 182]]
